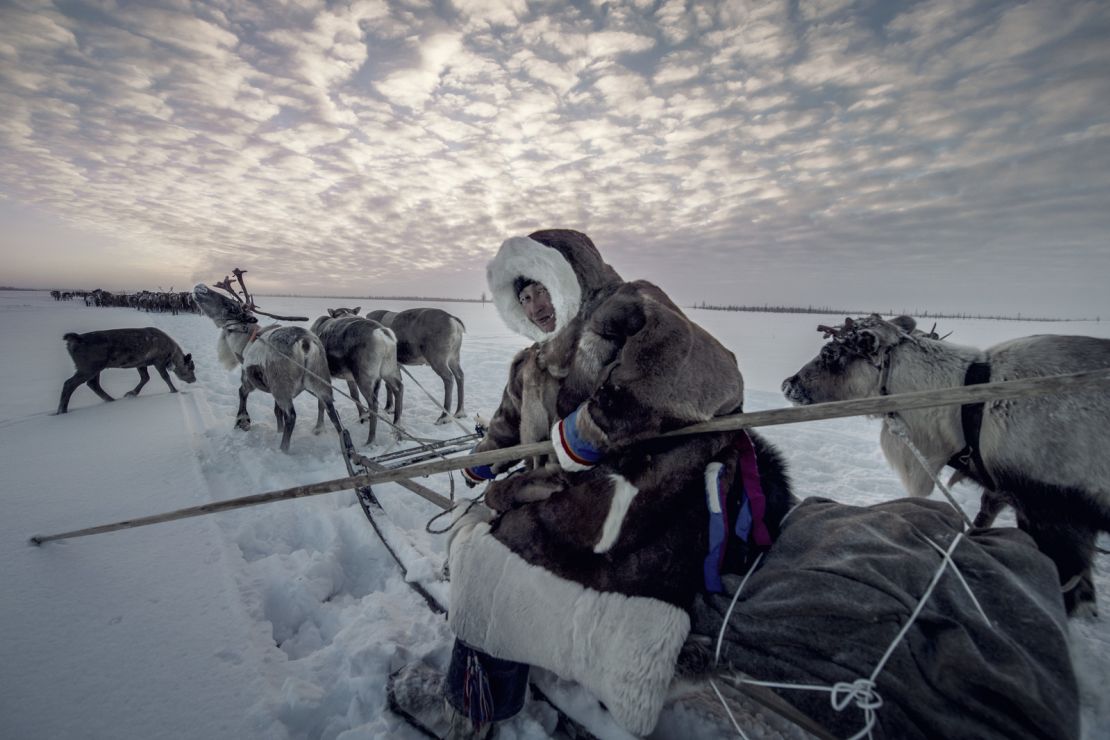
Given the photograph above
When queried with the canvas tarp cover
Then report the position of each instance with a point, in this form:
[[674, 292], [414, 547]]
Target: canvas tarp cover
[[833, 592]]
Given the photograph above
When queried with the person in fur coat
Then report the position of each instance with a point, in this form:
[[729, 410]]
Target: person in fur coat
[[591, 560]]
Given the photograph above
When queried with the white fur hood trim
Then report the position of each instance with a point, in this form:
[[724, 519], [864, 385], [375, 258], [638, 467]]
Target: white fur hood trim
[[522, 255]]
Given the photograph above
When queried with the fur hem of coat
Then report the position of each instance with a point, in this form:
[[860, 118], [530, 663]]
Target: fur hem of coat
[[621, 648]]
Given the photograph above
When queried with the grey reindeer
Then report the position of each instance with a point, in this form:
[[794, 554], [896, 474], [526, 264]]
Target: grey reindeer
[[364, 353], [429, 336], [1047, 455], [280, 360], [95, 351]]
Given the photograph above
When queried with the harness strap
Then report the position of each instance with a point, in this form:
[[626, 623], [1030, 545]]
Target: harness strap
[[969, 460]]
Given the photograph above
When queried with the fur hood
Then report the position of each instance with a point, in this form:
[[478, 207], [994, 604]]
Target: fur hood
[[565, 261]]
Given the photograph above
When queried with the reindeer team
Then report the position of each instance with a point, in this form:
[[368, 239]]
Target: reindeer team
[[1045, 456]]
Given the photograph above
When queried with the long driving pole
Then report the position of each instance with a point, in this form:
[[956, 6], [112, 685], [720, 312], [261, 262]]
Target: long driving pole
[[1004, 390]]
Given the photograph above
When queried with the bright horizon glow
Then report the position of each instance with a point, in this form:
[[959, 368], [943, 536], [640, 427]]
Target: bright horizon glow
[[952, 157]]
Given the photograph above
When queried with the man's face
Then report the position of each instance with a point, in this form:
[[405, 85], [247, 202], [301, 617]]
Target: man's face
[[536, 302]]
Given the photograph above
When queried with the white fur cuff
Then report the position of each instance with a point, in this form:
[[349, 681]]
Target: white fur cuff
[[621, 648]]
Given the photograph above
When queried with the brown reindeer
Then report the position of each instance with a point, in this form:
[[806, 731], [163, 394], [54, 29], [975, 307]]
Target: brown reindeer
[[138, 348]]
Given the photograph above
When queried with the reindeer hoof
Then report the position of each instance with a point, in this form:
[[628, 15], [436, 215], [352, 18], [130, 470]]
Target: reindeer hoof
[[243, 423], [443, 419], [460, 414], [131, 394]]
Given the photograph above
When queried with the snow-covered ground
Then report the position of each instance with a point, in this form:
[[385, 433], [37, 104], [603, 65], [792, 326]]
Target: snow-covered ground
[[284, 620]]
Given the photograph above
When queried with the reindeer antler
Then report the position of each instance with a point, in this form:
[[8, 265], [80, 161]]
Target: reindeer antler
[[246, 295], [837, 332], [247, 300], [225, 285]]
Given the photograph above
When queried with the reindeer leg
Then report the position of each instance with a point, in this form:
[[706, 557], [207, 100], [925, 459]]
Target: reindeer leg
[[991, 504], [279, 417], [165, 376], [367, 389], [457, 371], [144, 376], [363, 414], [334, 416], [319, 417], [242, 418], [290, 421], [397, 390], [448, 381], [68, 388], [94, 383], [390, 396]]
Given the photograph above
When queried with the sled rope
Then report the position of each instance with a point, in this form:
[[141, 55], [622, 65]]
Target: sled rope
[[862, 692], [439, 405], [898, 427], [1006, 389]]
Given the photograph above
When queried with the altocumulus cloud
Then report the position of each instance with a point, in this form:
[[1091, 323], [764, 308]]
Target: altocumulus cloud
[[937, 154]]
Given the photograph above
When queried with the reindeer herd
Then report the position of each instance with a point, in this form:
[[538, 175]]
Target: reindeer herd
[[1047, 457]]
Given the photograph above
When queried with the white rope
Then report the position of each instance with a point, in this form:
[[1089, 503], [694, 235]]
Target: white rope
[[898, 427], [861, 692], [728, 711], [438, 405], [728, 613], [947, 556]]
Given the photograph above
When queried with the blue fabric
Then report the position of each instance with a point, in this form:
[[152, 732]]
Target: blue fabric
[[574, 444], [479, 472], [718, 538], [744, 519]]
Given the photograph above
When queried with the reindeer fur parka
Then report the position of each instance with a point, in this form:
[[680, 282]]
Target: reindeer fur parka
[[623, 365]]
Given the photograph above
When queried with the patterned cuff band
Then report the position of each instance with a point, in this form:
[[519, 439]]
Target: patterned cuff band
[[574, 453]]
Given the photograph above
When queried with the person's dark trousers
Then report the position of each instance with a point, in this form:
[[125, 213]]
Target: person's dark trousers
[[484, 688]]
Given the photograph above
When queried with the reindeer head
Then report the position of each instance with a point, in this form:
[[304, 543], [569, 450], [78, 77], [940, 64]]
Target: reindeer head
[[848, 366], [222, 309], [338, 313]]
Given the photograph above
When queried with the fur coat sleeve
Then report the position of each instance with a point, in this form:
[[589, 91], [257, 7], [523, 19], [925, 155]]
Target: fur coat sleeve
[[642, 367]]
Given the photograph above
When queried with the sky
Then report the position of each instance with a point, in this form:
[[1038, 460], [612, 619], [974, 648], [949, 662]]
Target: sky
[[893, 156], [283, 621]]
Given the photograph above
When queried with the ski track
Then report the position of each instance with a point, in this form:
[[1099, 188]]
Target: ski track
[[329, 581]]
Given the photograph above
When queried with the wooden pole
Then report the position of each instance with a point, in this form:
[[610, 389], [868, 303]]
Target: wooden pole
[[1005, 390]]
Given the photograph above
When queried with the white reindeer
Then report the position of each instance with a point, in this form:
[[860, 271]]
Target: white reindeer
[[364, 353], [1048, 456], [281, 360]]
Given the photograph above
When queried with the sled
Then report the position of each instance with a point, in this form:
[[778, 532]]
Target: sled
[[793, 662]]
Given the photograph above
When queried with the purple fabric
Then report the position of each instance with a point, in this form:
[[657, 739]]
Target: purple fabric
[[749, 473]]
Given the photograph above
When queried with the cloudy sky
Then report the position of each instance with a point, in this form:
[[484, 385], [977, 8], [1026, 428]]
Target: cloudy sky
[[949, 155]]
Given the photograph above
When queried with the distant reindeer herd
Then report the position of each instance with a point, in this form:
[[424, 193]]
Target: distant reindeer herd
[[145, 300], [1045, 457]]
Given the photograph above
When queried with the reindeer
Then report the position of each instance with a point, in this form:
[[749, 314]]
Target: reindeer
[[281, 360], [364, 353], [138, 348], [429, 336], [1047, 456]]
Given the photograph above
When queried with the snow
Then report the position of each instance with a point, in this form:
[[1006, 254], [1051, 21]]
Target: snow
[[284, 620]]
